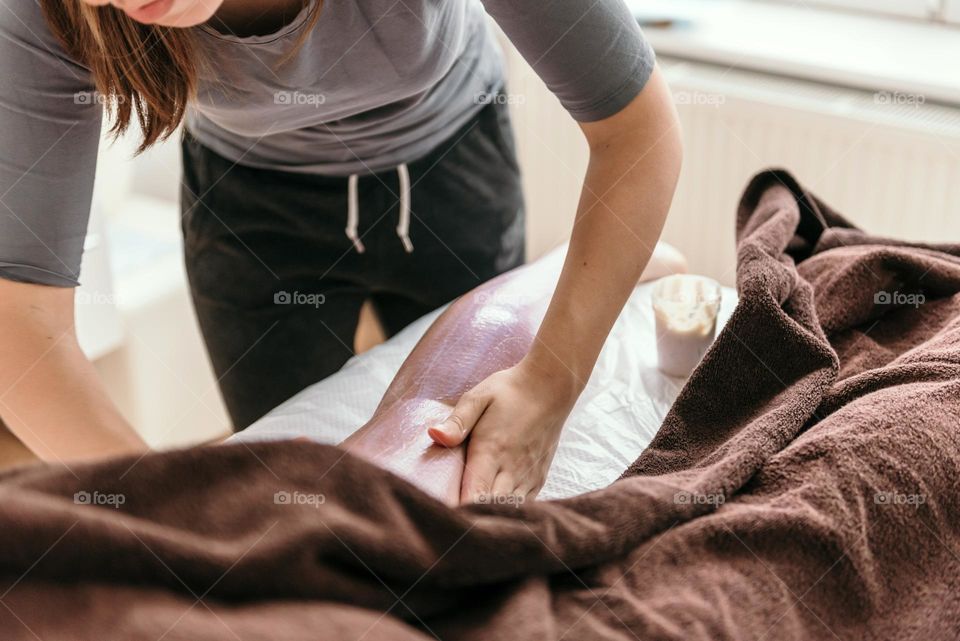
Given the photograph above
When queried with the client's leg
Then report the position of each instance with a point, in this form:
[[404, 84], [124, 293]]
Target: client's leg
[[484, 331]]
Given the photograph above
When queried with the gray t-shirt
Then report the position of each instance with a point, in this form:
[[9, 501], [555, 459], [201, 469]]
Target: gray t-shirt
[[376, 83]]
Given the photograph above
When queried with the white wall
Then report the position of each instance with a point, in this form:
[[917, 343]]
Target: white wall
[[886, 166], [158, 375]]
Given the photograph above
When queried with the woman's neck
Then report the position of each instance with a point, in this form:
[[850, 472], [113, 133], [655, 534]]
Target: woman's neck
[[255, 17]]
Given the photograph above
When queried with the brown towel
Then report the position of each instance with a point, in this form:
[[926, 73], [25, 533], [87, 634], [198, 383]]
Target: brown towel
[[803, 486]]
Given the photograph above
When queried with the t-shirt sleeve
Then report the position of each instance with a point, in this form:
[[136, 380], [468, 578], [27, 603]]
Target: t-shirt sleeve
[[590, 53], [50, 121]]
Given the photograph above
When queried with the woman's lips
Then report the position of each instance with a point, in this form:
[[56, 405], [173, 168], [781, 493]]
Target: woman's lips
[[151, 12]]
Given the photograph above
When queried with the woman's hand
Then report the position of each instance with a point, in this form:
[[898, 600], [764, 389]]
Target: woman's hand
[[513, 419]]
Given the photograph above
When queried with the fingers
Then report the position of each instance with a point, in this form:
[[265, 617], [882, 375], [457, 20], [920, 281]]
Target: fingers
[[454, 430], [502, 490], [529, 492], [478, 476], [504, 485]]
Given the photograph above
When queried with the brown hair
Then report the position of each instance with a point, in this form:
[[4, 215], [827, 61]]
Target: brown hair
[[145, 71]]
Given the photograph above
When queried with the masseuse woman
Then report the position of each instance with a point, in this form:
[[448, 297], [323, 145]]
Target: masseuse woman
[[358, 149]]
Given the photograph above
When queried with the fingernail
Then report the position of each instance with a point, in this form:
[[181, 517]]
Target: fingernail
[[438, 431]]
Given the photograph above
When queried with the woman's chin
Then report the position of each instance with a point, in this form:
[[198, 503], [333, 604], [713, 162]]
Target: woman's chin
[[192, 18], [183, 15]]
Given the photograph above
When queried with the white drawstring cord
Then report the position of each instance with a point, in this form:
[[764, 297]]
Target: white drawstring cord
[[353, 211], [403, 225], [353, 214]]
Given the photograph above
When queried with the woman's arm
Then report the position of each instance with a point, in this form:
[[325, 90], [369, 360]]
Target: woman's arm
[[514, 417], [50, 122], [50, 395], [485, 331]]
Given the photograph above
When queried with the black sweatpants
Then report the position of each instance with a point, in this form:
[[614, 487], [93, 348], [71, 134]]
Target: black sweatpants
[[277, 284]]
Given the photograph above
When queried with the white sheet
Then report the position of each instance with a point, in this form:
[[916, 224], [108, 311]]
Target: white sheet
[[615, 418]]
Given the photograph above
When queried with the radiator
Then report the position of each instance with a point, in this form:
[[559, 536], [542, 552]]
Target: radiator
[[888, 161]]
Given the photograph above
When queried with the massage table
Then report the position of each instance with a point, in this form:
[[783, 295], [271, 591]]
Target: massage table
[[615, 418]]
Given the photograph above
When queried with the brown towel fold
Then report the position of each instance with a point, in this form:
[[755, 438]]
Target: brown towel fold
[[803, 486]]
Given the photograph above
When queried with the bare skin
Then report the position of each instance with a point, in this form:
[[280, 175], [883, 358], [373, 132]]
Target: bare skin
[[50, 395], [485, 331]]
